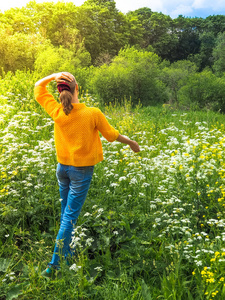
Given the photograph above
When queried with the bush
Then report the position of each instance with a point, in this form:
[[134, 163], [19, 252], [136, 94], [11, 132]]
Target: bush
[[203, 90], [132, 74], [175, 76]]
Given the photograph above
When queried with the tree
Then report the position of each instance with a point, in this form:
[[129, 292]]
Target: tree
[[156, 31], [161, 37], [215, 24], [187, 33], [18, 51], [135, 30], [102, 26], [140, 25], [219, 54], [204, 58], [18, 20], [59, 59]]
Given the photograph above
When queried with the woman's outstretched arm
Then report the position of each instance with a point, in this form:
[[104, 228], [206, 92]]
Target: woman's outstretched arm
[[133, 145]]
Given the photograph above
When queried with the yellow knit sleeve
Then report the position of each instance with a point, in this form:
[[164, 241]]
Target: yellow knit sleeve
[[46, 100], [109, 132]]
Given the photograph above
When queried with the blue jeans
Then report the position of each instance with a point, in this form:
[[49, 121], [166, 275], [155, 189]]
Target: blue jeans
[[74, 183]]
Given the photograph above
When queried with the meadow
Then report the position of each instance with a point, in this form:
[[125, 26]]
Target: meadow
[[152, 226]]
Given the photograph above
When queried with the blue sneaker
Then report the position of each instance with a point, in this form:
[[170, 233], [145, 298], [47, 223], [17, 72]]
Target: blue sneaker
[[51, 273], [47, 273]]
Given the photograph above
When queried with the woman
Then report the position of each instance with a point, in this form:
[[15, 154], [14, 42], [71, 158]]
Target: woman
[[78, 149]]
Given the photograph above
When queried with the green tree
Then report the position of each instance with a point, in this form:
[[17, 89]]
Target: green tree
[[156, 31], [162, 39], [18, 51], [187, 33], [215, 24], [204, 58], [18, 20], [54, 59], [219, 54], [140, 26], [55, 21], [135, 30], [103, 27]]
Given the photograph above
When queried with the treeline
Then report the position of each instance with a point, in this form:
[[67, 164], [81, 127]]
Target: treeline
[[145, 55]]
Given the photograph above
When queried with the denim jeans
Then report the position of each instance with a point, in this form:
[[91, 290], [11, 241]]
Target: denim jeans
[[74, 183]]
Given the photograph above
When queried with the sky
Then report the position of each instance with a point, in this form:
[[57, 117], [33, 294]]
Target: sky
[[173, 8]]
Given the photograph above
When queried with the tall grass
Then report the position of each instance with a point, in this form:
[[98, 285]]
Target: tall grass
[[152, 226]]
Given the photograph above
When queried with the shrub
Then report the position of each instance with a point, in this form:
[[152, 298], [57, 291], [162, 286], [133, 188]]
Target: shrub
[[203, 90], [175, 76], [132, 74]]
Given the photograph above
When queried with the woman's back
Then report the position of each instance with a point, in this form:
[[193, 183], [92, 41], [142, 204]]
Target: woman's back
[[77, 139]]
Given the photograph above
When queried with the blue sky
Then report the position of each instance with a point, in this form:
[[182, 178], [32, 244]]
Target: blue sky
[[188, 8]]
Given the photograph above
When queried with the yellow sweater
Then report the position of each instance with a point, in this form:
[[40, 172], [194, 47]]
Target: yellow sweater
[[77, 138]]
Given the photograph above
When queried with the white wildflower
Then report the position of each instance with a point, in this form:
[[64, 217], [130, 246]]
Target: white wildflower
[[99, 269], [89, 242], [87, 214], [75, 268]]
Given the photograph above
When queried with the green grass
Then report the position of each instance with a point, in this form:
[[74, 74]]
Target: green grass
[[152, 226]]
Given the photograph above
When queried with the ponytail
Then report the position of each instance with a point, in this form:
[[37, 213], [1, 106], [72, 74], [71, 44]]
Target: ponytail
[[66, 90], [66, 98]]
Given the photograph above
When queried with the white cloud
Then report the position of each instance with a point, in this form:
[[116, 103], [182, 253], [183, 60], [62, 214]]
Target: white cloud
[[129, 5], [219, 5], [199, 4], [181, 10]]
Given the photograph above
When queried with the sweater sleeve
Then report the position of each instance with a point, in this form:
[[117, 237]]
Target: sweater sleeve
[[46, 100], [110, 133]]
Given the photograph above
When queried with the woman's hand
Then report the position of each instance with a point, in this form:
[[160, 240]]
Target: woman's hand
[[62, 76], [134, 146]]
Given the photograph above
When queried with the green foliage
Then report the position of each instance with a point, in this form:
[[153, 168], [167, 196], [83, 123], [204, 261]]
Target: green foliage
[[215, 24], [53, 60], [101, 29], [175, 76], [160, 37], [135, 30], [133, 74], [18, 85], [18, 51], [188, 42], [203, 90], [219, 54], [18, 21], [205, 57]]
